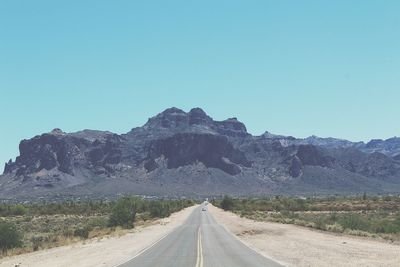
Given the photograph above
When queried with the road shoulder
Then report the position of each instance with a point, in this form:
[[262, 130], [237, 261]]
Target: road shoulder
[[298, 246], [109, 251]]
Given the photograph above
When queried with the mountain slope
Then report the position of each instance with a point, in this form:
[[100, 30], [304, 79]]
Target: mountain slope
[[188, 153]]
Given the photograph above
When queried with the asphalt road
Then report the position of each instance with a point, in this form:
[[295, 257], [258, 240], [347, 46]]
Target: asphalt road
[[199, 242]]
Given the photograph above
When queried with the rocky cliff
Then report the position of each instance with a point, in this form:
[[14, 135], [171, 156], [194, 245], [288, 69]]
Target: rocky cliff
[[188, 153]]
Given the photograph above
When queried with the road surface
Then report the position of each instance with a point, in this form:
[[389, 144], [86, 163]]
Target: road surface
[[199, 242]]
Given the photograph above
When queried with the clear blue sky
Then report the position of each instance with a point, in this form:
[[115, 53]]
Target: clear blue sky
[[329, 68]]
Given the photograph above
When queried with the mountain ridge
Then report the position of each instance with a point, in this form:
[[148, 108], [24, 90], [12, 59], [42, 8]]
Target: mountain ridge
[[188, 153]]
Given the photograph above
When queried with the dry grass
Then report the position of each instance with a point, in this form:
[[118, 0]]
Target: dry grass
[[48, 225], [375, 217]]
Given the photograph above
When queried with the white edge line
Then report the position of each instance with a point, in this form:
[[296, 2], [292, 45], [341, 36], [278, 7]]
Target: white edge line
[[144, 249]]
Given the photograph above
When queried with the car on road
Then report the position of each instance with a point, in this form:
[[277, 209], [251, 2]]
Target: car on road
[[203, 209]]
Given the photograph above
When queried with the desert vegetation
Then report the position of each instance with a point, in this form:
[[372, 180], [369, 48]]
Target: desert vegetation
[[31, 227], [375, 216]]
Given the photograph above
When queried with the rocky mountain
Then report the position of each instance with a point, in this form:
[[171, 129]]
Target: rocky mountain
[[181, 153], [390, 147]]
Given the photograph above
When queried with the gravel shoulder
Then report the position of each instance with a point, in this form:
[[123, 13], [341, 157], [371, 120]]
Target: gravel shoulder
[[298, 246], [107, 251]]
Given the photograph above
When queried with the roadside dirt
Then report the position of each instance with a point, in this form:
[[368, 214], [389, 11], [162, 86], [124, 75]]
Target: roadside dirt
[[298, 246], [108, 251]]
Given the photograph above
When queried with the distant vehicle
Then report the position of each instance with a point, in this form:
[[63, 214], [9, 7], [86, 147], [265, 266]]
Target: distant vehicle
[[203, 209]]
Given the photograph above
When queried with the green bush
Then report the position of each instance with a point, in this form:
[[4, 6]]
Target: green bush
[[337, 228], [82, 232], [98, 222], [9, 237], [397, 221], [354, 222], [123, 213], [386, 226], [227, 203], [18, 210], [159, 209], [36, 242], [12, 210]]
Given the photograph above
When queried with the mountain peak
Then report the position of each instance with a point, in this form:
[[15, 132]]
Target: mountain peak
[[57, 132], [173, 110], [174, 120], [198, 111], [169, 118], [269, 135], [198, 116]]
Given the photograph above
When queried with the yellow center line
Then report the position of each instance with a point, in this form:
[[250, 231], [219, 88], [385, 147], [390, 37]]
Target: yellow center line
[[199, 260]]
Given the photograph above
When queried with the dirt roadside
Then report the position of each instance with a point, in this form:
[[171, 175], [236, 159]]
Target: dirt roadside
[[298, 246], [108, 252]]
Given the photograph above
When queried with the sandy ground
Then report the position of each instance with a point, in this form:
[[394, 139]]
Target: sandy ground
[[110, 251], [298, 246]]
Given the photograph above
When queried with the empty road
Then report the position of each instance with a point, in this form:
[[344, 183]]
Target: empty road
[[199, 242]]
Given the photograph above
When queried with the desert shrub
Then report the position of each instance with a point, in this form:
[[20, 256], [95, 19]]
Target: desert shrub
[[12, 210], [82, 232], [358, 233], [292, 204], [123, 213], [97, 222], [68, 207], [159, 209], [397, 221], [354, 222], [36, 242], [18, 210], [320, 223], [337, 228], [385, 226], [67, 232], [227, 203], [9, 237], [388, 198], [144, 216]]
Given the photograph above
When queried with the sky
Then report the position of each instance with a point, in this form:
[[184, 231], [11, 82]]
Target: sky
[[300, 68]]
